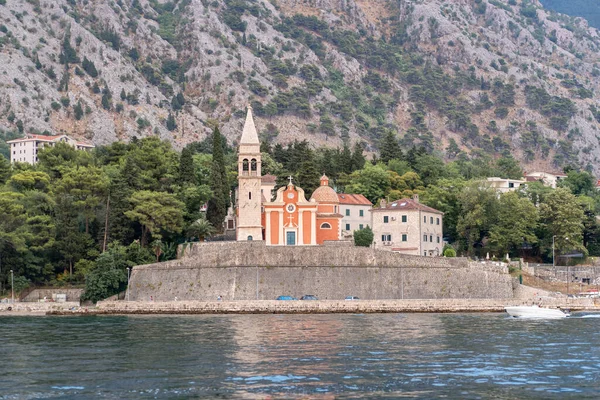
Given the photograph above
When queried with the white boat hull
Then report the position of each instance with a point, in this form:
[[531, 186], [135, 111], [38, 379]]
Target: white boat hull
[[535, 312]]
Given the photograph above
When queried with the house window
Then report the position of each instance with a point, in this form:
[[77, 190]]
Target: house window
[[230, 224], [438, 239], [386, 238], [360, 226], [431, 238], [404, 218], [431, 220], [347, 212], [325, 225], [425, 253], [404, 238], [347, 227], [438, 221], [386, 219], [511, 185], [249, 195], [424, 238], [361, 213], [424, 219], [249, 238]]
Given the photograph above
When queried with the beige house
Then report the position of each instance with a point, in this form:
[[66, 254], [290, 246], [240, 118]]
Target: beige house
[[548, 178], [409, 227], [26, 149], [356, 213], [505, 185]]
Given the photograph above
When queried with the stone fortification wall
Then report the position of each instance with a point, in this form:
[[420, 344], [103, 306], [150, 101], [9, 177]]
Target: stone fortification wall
[[251, 271]]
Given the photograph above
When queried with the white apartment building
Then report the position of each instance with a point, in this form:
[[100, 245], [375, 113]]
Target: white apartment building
[[356, 213], [409, 227], [505, 185], [548, 178], [26, 149]]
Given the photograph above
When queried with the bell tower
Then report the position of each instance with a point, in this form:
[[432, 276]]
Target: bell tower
[[249, 225]]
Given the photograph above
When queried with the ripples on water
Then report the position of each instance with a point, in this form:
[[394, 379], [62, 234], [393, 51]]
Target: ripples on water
[[299, 356]]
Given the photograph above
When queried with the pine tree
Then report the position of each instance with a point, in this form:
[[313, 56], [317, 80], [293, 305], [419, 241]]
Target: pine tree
[[106, 98], [217, 205], [345, 161], [171, 124], [123, 94], [175, 105], [186, 167], [89, 67], [180, 99]]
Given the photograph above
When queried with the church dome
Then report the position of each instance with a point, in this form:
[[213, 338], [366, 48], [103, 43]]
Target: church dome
[[324, 193]]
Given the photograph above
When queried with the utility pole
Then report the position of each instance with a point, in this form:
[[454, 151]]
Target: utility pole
[[12, 285], [106, 223]]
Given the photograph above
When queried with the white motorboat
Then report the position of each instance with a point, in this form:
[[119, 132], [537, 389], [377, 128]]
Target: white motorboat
[[535, 311]]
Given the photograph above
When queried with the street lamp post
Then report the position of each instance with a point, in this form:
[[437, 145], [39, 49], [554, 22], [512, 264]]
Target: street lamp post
[[553, 251], [127, 294], [12, 285]]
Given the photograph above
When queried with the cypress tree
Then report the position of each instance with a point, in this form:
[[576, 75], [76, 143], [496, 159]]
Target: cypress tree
[[4, 169], [345, 163], [217, 205], [358, 159], [78, 110], [186, 167], [389, 148], [171, 124]]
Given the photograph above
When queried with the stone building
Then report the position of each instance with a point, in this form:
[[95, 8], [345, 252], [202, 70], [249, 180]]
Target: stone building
[[547, 178], [289, 219], [26, 149], [356, 213], [409, 227]]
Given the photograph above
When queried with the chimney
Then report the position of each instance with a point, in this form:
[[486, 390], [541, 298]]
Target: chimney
[[416, 197], [382, 203]]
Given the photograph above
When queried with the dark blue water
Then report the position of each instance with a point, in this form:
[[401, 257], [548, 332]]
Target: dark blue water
[[459, 356]]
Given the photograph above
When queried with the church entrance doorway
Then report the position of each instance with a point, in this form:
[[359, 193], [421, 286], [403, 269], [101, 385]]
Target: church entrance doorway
[[291, 238]]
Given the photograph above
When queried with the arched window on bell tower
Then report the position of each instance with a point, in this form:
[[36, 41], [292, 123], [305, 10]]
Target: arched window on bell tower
[[245, 166], [253, 167]]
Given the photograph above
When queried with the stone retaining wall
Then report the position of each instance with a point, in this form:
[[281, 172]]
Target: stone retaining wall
[[36, 295], [251, 271], [40, 308]]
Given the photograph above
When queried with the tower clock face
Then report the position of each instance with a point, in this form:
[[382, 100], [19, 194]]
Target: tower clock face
[[290, 195], [290, 208]]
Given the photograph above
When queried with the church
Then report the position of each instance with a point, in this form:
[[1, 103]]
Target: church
[[289, 219]]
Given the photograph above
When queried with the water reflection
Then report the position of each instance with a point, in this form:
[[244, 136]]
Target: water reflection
[[299, 356]]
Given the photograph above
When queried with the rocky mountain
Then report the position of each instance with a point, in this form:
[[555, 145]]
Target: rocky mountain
[[461, 78]]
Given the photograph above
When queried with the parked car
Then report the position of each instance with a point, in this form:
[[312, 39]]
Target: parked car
[[352, 298], [286, 298], [309, 297]]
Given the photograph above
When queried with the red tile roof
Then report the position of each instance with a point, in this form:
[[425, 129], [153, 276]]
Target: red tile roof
[[34, 137], [407, 204], [353, 199], [268, 178]]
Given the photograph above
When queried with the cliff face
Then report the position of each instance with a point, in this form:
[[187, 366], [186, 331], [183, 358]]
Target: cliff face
[[467, 76]]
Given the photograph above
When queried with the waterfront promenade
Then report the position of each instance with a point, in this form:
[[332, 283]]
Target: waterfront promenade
[[295, 307]]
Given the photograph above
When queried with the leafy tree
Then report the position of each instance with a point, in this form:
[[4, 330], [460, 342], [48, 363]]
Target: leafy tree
[[563, 218], [478, 212], [515, 224], [363, 237], [509, 168], [87, 187], [156, 211], [29, 180], [579, 182], [217, 205], [373, 182], [108, 275]]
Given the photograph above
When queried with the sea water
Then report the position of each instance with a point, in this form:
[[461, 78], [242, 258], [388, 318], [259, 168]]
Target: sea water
[[457, 356]]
